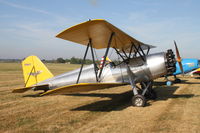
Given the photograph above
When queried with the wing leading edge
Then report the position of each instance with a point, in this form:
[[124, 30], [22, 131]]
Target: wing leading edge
[[99, 31]]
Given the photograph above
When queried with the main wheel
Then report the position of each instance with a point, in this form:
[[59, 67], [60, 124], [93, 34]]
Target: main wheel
[[169, 83], [139, 101]]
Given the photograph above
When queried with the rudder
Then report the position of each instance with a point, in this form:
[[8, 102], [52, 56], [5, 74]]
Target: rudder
[[34, 71]]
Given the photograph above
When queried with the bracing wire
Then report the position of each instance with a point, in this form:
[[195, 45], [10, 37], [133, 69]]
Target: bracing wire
[[120, 68]]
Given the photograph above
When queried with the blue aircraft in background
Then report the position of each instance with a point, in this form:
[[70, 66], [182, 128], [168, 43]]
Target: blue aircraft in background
[[183, 66]]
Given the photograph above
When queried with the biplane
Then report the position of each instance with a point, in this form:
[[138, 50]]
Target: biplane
[[183, 66], [196, 72], [136, 67]]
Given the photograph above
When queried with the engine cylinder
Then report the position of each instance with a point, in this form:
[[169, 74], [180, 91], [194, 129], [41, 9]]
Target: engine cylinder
[[170, 62]]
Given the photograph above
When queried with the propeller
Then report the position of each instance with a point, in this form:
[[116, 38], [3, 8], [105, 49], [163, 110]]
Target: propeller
[[178, 58]]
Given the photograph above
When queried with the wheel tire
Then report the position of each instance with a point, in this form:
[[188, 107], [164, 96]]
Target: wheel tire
[[169, 83], [139, 101]]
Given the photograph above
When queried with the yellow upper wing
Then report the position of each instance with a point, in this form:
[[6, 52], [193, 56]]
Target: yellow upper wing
[[80, 88], [99, 31]]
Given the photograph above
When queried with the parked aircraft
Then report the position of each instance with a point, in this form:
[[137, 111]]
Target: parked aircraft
[[197, 71], [136, 67], [183, 66]]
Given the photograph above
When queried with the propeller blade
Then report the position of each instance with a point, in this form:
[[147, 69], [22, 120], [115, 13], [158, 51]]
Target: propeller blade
[[177, 52], [178, 58], [181, 67]]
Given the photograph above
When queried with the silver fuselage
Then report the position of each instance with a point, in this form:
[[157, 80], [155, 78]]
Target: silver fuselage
[[152, 68]]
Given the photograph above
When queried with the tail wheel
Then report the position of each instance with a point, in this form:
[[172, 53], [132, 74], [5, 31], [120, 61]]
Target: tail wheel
[[139, 101]]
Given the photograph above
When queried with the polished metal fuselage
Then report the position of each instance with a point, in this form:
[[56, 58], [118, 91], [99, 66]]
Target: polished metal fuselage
[[153, 67]]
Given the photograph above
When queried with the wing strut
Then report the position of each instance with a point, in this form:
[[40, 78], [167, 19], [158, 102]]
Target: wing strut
[[92, 52], [82, 63], [125, 53], [106, 53], [137, 51], [148, 50], [130, 51], [84, 58], [119, 54]]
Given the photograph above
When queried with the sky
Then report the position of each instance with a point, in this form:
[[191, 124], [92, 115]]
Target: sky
[[29, 27]]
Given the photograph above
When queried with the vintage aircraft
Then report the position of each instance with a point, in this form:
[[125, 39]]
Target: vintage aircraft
[[137, 67], [183, 66], [196, 72]]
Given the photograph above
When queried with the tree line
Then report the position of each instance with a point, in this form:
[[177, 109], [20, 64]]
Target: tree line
[[72, 60]]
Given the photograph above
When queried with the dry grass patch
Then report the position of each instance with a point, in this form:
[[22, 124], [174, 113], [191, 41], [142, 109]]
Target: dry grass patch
[[175, 110]]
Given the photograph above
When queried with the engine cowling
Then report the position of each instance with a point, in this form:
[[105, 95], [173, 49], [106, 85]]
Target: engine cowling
[[155, 66], [161, 64]]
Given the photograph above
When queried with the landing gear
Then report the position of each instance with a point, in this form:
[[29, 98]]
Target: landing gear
[[139, 100], [177, 80], [140, 93], [150, 93], [169, 83]]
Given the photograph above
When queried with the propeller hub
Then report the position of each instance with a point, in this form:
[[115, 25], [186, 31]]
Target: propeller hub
[[178, 60]]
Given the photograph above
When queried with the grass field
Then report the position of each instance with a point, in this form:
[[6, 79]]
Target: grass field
[[177, 108]]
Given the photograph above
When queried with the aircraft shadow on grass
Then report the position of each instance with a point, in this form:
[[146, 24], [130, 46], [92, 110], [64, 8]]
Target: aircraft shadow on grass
[[197, 77], [122, 101], [33, 95]]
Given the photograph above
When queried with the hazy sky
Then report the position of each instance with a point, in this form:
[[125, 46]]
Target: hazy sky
[[28, 27]]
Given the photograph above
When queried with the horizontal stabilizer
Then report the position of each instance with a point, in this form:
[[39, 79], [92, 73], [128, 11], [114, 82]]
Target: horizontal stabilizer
[[37, 87], [81, 88]]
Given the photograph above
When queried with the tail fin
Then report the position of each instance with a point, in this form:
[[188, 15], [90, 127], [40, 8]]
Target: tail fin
[[34, 71]]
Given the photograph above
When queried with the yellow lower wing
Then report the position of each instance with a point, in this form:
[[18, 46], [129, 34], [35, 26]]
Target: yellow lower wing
[[80, 88]]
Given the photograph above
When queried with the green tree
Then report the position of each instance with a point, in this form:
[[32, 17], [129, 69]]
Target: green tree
[[60, 60], [67, 60]]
